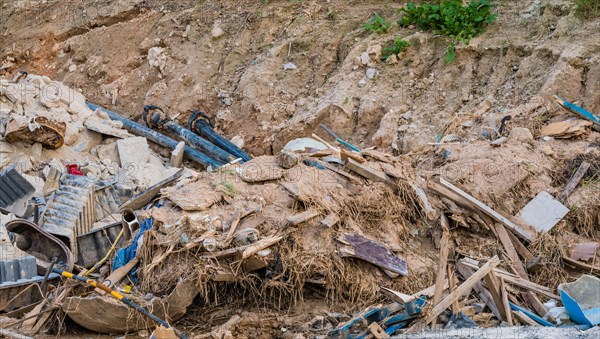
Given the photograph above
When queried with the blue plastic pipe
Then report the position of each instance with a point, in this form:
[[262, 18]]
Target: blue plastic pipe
[[158, 138]]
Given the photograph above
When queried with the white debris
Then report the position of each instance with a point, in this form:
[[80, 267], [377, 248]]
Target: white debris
[[289, 67]]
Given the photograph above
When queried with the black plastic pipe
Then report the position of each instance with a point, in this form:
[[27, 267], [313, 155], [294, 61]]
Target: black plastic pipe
[[158, 138], [156, 118], [199, 125]]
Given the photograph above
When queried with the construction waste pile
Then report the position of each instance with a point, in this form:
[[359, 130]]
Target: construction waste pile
[[122, 226]]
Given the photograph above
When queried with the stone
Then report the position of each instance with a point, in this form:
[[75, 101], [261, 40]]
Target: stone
[[521, 134], [289, 67], [364, 59], [288, 159], [371, 73], [392, 59], [72, 68], [362, 83], [157, 58], [375, 51], [238, 140], [217, 31], [133, 150]]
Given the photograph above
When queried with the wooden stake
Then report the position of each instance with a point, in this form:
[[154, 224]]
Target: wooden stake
[[492, 283]]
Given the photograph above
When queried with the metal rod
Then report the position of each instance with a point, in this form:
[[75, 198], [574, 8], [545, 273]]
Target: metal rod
[[340, 140], [121, 298], [156, 137], [156, 118], [199, 125]]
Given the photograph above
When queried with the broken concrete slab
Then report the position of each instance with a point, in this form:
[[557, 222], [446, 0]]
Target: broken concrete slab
[[15, 191], [543, 212], [133, 150]]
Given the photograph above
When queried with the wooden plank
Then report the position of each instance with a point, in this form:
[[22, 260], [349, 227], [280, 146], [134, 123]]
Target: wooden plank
[[483, 293], [259, 246], [430, 212], [574, 181], [527, 233], [117, 275], [522, 317], [510, 250], [505, 304], [301, 217], [372, 252], [460, 291], [518, 281], [521, 249], [452, 281], [370, 173], [345, 154], [443, 261], [581, 265], [492, 283]]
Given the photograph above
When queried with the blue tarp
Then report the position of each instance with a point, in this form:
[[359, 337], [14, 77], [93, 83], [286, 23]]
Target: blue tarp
[[124, 255]]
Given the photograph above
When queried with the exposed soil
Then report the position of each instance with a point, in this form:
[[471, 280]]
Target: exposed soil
[[227, 59]]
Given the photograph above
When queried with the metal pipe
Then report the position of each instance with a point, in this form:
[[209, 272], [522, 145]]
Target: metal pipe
[[199, 124], [155, 118], [158, 138], [130, 222]]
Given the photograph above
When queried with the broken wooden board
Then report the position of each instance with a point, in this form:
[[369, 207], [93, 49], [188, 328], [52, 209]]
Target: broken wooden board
[[543, 212], [140, 200], [483, 293], [370, 173], [569, 128], [574, 181], [301, 217], [583, 250], [522, 230], [515, 280], [374, 253]]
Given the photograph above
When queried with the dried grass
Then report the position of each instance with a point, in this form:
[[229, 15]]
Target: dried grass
[[551, 249]]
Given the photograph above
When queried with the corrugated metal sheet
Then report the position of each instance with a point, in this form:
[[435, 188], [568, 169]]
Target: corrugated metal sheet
[[15, 191], [107, 201], [12, 270], [71, 209]]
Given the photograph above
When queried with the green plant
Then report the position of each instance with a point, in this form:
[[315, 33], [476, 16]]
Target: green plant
[[377, 24], [394, 47], [587, 9], [451, 18]]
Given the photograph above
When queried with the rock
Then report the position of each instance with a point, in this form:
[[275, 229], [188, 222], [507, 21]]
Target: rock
[[364, 59], [157, 58], [371, 73], [4, 160], [392, 59], [72, 68], [375, 51], [289, 67], [217, 31], [362, 83], [287, 159], [133, 150], [547, 150], [238, 140], [521, 134]]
